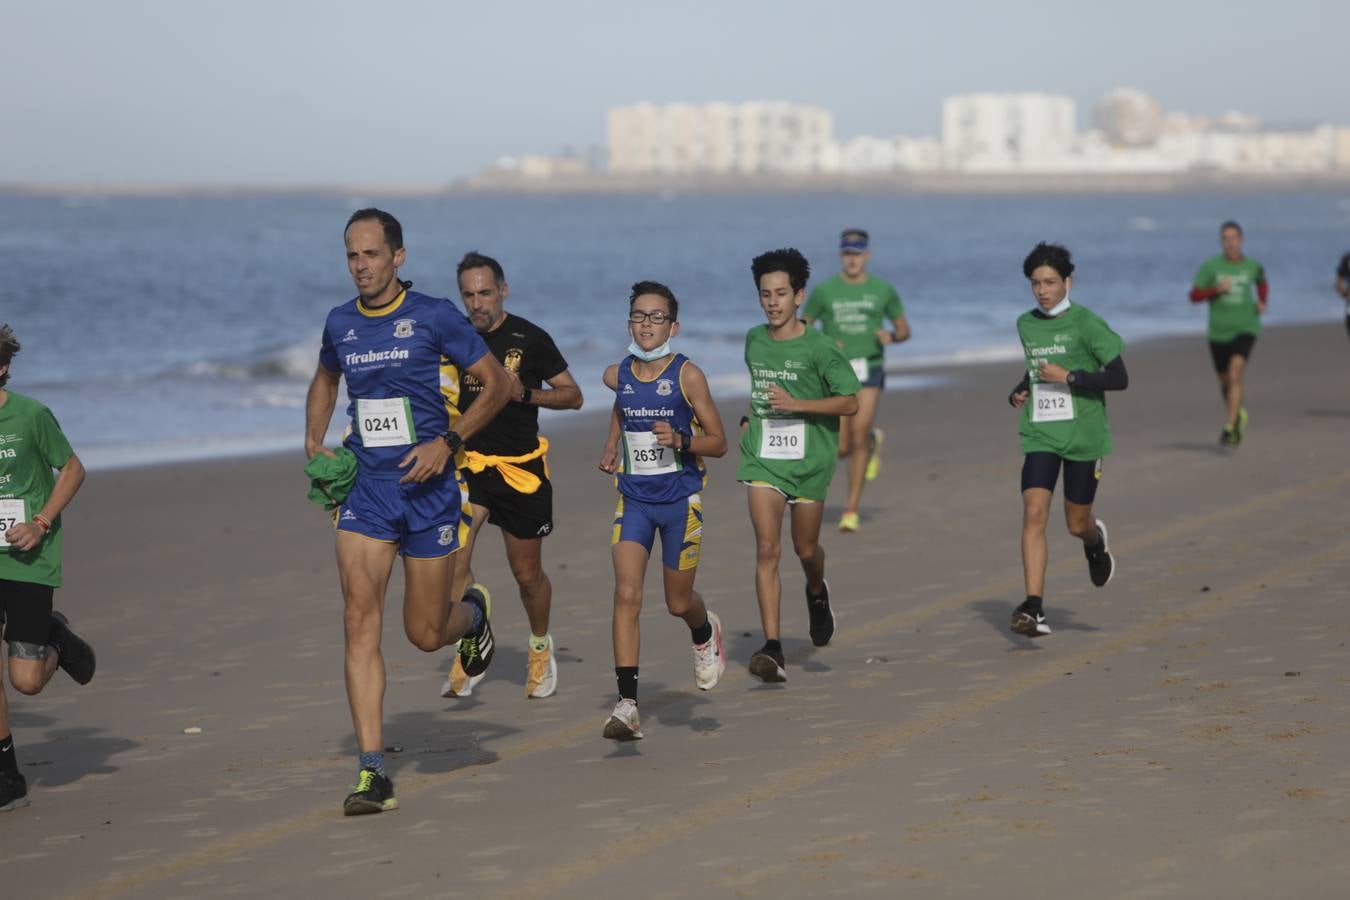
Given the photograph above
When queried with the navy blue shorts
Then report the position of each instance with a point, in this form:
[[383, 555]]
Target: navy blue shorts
[[680, 524], [876, 374], [427, 520]]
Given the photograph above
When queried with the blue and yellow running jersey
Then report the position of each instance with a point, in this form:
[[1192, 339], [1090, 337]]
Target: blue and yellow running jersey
[[650, 472], [392, 359]]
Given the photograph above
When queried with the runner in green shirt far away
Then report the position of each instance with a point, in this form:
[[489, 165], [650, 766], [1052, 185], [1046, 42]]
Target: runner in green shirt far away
[[1235, 288], [32, 446], [800, 384], [1072, 359], [852, 308]]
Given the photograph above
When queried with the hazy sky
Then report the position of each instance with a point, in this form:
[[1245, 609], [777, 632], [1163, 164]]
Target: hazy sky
[[399, 92]]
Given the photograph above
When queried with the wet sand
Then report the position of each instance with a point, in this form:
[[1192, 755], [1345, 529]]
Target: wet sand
[[1181, 734]]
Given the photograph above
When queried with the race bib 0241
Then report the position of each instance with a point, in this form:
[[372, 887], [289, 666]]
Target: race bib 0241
[[385, 423]]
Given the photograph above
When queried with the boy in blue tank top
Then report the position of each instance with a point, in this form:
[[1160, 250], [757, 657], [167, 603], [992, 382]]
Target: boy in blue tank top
[[664, 422]]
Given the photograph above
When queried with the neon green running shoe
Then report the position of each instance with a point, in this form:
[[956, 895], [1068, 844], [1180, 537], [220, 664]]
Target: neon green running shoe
[[476, 648], [874, 460], [373, 793]]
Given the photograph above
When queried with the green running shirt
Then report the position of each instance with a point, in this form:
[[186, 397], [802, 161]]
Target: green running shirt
[[1056, 418], [794, 452]]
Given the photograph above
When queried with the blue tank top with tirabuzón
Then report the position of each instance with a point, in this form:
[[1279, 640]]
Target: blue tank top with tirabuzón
[[391, 358], [649, 472]]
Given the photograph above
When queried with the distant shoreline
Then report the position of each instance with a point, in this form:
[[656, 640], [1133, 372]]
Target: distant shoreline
[[504, 182]]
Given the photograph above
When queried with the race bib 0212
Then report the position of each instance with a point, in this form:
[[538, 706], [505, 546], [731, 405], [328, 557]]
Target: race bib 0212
[[1051, 402]]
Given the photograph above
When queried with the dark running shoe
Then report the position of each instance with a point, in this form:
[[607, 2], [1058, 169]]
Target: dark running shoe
[[476, 648], [1101, 565], [13, 792], [373, 793], [822, 616], [768, 666], [76, 656], [1029, 622]]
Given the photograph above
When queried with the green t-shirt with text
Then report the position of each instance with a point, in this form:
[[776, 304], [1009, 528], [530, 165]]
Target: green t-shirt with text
[[794, 452], [31, 446], [853, 313], [1233, 312], [1056, 418]]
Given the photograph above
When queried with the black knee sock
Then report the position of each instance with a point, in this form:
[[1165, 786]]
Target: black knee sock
[[9, 764], [703, 633], [628, 677]]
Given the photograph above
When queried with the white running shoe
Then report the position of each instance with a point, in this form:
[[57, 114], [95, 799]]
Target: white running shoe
[[710, 660], [623, 722]]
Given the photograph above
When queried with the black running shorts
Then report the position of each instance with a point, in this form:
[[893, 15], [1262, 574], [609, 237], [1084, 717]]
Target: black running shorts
[[519, 515], [1238, 346], [1081, 476], [26, 610]]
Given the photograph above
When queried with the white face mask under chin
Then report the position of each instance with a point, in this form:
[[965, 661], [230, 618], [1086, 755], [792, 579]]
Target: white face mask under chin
[[649, 355], [1059, 307]]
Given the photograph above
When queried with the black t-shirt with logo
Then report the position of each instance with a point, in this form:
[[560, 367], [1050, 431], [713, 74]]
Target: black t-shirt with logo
[[525, 349]]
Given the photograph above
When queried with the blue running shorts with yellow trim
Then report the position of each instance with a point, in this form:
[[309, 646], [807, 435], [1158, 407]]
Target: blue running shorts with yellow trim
[[425, 520], [680, 524]]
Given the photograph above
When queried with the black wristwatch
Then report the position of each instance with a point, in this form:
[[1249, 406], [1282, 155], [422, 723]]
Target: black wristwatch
[[686, 440], [452, 440], [525, 394], [1071, 379]]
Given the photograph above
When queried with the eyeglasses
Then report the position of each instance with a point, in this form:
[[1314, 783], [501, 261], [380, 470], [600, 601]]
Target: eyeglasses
[[637, 317]]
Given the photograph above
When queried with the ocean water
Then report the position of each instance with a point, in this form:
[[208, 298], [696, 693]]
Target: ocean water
[[170, 328]]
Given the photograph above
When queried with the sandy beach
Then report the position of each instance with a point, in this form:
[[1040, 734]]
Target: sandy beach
[[1181, 734]]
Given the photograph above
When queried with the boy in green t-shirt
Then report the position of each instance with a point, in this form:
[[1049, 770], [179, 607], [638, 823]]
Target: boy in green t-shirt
[[31, 500], [1235, 288], [853, 308], [800, 384], [1072, 359]]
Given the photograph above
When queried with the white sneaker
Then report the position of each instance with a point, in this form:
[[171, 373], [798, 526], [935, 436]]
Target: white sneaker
[[710, 660], [460, 683], [623, 722], [541, 672]]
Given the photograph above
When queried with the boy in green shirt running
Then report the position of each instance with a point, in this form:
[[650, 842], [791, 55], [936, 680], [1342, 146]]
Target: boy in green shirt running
[[1072, 359], [31, 501], [800, 384], [852, 308], [1235, 288]]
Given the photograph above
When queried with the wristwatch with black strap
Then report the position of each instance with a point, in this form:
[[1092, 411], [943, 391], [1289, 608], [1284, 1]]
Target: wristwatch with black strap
[[452, 440]]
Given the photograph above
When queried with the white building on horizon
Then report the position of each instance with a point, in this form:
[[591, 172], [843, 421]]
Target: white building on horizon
[[720, 138], [1128, 118], [1006, 132]]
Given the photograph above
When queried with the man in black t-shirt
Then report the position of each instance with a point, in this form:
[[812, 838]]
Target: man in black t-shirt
[[507, 463], [1343, 286]]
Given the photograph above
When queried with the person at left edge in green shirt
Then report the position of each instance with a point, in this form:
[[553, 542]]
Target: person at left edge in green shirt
[[1072, 359], [1236, 290], [853, 308], [31, 501]]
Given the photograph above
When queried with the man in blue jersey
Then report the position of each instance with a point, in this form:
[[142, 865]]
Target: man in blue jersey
[[664, 421], [390, 343]]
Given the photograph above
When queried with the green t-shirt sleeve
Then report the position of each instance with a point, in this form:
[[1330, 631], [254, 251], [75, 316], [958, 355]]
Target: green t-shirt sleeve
[[1104, 343], [814, 306], [51, 441], [894, 308], [838, 372], [1204, 277]]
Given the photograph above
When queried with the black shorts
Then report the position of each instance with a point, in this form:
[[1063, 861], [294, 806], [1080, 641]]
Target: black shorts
[[26, 612], [519, 515], [1081, 476], [1347, 323], [1238, 346]]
